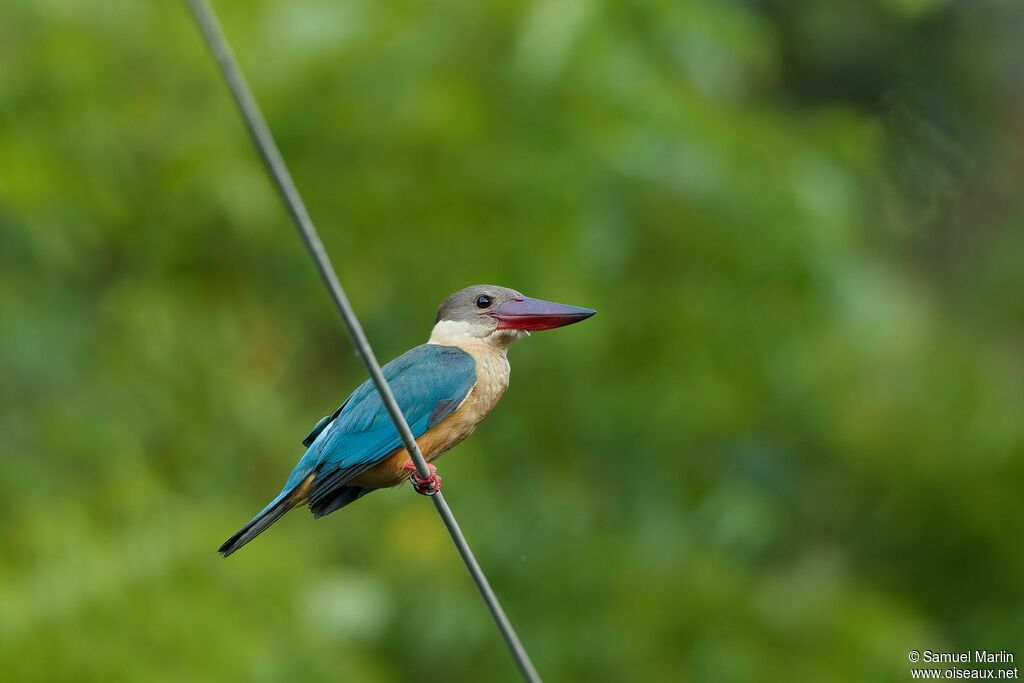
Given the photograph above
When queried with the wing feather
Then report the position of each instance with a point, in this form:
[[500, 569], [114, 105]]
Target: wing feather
[[429, 382]]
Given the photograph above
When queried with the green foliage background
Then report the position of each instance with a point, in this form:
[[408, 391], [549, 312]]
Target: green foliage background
[[787, 449]]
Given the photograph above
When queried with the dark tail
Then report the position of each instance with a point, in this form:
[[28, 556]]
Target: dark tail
[[258, 524]]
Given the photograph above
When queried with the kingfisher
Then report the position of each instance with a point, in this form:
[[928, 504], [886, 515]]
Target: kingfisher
[[445, 388]]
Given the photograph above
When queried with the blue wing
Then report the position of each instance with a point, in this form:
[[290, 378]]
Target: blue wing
[[429, 382]]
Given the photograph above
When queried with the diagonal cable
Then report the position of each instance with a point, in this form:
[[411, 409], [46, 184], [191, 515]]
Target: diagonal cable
[[272, 159]]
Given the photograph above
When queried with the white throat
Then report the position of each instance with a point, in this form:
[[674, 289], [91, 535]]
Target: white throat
[[461, 333]]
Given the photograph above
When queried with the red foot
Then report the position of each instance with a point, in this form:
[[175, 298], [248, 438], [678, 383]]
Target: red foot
[[424, 486]]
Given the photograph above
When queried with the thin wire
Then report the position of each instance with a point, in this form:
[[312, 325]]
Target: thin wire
[[272, 159]]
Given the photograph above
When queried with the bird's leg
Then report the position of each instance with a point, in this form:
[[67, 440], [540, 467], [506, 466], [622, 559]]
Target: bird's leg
[[426, 486]]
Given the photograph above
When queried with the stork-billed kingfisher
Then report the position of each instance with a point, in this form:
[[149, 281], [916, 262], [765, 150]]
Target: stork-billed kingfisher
[[444, 388]]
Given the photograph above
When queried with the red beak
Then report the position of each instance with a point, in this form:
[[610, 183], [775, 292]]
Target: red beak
[[534, 314]]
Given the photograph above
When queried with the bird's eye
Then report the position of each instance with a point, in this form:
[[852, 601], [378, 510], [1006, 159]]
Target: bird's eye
[[484, 301]]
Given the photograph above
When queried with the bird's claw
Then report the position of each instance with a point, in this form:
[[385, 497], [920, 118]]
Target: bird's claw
[[426, 486]]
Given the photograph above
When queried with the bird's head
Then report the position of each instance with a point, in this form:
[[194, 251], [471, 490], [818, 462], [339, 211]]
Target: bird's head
[[498, 315]]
